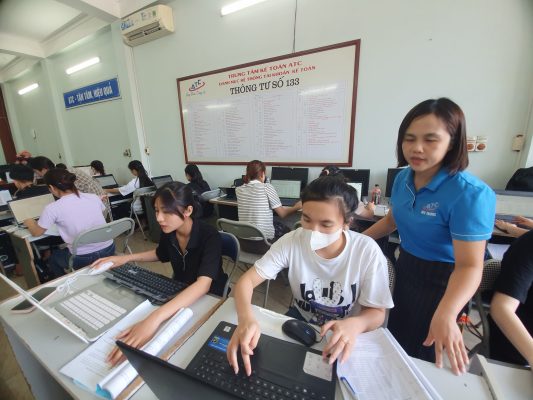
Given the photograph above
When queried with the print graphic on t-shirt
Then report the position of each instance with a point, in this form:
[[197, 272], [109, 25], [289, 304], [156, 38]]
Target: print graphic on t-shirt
[[430, 209], [325, 302]]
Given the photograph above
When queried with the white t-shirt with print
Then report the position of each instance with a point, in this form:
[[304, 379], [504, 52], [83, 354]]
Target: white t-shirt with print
[[326, 289], [130, 187]]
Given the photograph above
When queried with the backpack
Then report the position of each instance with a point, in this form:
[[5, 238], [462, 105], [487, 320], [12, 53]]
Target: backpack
[[522, 180]]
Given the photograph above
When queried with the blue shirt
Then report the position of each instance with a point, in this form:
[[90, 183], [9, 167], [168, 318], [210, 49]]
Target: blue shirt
[[459, 206]]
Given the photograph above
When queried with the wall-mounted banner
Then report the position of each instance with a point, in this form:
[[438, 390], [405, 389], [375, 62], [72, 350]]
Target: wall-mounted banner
[[95, 93]]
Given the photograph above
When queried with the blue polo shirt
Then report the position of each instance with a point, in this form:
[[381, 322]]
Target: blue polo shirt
[[458, 206]]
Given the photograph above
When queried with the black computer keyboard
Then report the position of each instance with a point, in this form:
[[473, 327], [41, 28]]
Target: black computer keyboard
[[158, 288], [215, 370]]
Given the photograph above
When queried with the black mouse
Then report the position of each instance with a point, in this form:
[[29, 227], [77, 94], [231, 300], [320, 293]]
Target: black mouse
[[300, 331]]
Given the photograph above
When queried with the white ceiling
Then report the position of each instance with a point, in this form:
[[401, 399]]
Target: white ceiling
[[34, 29]]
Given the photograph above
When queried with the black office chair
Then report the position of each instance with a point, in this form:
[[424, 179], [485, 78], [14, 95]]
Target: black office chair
[[230, 252]]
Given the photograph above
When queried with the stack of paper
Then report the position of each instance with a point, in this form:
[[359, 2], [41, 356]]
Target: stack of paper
[[90, 370], [379, 368]]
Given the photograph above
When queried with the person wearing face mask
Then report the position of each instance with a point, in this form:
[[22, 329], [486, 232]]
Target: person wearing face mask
[[338, 277], [256, 200]]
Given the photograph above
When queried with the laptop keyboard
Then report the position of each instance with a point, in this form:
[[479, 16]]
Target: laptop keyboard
[[92, 309], [215, 370], [158, 288]]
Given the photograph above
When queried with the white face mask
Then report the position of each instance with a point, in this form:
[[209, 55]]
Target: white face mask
[[320, 240]]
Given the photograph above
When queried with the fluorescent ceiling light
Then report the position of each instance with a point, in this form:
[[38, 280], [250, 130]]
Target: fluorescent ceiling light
[[238, 5], [29, 88], [83, 65]]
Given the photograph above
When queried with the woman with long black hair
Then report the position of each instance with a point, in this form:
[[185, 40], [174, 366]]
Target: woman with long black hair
[[140, 180]]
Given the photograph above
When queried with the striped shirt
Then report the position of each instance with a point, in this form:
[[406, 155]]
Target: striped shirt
[[255, 201]]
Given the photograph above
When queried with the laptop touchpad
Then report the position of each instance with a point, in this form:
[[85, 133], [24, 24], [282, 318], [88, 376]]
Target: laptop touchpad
[[281, 358]]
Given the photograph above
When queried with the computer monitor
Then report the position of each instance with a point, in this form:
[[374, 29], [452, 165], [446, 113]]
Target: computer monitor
[[290, 174], [5, 197], [391, 175], [85, 168], [32, 207], [287, 189], [3, 170], [161, 180], [106, 181], [510, 202], [357, 186], [358, 175]]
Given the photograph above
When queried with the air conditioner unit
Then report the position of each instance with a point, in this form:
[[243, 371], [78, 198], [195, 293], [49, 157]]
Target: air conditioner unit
[[146, 25]]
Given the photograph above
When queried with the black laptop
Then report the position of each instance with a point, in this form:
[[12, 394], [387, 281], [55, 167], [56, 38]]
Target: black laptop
[[161, 180], [229, 192], [107, 181], [279, 371]]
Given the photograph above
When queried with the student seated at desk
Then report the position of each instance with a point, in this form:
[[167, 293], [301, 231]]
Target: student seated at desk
[[97, 167], [199, 186], [84, 183], [338, 277], [22, 176], [140, 180], [512, 228], [256, 200], [73, 213], [511, 309], [444, 216], [183, 234]]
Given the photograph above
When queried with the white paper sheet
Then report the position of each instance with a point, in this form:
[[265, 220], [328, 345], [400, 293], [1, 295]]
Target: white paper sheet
[[377, 369]]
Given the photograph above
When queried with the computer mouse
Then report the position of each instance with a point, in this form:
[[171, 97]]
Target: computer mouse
[[102, 268], [300, 331]]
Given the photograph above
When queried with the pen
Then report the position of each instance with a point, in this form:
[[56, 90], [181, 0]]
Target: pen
[[351, 390]]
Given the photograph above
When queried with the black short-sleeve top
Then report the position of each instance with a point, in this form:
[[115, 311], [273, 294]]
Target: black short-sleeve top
[[201, 258]]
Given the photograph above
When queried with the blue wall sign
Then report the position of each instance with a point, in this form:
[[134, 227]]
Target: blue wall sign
[[95, 93]]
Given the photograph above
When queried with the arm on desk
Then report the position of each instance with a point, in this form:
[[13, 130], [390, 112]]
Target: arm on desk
[[509, 228], [528, 223], [112, 190], [117, 261], [140, 333], [503, 311], [286, 211], [34, 227], [247, 334], [385, 226]]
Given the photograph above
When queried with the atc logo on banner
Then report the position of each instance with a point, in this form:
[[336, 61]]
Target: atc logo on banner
[[95, 93]]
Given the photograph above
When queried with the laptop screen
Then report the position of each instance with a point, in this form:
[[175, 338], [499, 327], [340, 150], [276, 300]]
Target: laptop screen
[[106, 181], [31, 207], [287, 189], [290, 174], [161, 180]]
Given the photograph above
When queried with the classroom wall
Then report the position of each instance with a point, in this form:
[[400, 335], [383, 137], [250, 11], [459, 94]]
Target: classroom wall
[[95, 131], [475, 52]]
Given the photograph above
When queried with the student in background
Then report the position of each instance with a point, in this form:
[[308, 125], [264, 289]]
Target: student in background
[[23, 157], [196, 180], [338, 277], [140, 180], [182, 234], [84, 183], [444, 216], [22, 176], [331, 170], [256, 200], [73, 213], [61, 166], [97, 167], [511, 309], [199, 186], [512, 228]]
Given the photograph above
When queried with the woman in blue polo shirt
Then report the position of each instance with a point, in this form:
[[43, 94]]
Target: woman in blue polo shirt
[[444, 215]]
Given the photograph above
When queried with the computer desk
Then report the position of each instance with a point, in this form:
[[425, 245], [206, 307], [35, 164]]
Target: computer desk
[[448, 385], [42, 347]]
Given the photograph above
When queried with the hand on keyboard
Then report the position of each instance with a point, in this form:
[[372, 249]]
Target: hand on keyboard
[[136, 335]]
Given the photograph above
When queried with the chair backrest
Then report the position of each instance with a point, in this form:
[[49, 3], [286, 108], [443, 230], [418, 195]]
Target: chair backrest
[[392, 274], [103, 233], [230, 250], [210, 194], [491, 270], [251, 238]]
